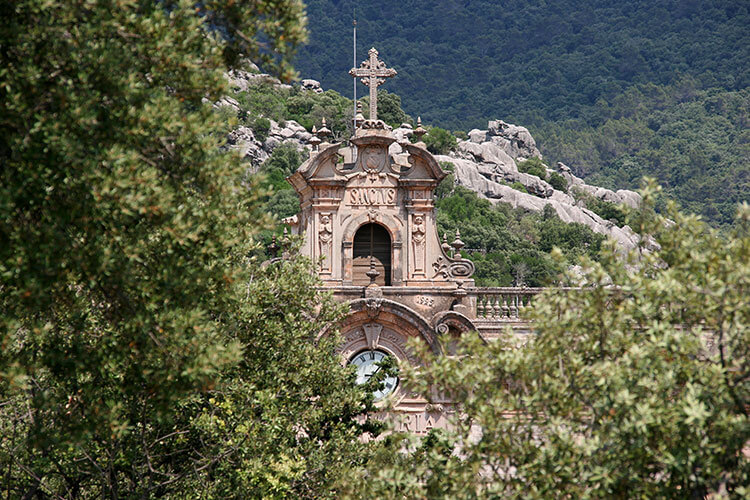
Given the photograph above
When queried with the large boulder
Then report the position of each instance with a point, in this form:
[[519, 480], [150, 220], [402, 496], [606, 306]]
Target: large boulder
[[487, 152], [515, 140], [312, 86], [478, 136]]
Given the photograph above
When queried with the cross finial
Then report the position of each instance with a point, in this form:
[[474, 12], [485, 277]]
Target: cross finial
[[373, 73]]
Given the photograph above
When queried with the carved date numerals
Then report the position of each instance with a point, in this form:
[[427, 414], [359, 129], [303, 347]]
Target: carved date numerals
[[425, 301]]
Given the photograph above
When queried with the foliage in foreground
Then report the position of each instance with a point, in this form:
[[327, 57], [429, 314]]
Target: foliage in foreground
[[141, 353], [638, 390]]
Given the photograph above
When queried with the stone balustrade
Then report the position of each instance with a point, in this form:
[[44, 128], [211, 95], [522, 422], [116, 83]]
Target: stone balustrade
[[503, 303]]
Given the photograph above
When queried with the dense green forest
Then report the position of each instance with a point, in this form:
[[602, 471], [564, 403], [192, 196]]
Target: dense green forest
[[614, 90]]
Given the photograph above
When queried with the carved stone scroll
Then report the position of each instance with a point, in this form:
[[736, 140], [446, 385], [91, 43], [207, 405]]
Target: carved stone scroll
[[453, 268]]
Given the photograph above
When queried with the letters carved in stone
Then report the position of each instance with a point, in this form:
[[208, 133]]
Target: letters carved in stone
[[369, 196]]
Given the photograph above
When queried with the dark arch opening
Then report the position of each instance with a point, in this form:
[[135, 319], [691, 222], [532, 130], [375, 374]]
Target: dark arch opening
[[372, 240]]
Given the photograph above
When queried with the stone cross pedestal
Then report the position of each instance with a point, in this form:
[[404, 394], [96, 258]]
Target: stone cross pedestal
[[373, 73]]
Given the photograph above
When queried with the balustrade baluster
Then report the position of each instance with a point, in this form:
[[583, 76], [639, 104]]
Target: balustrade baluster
[[506, 309], [480, 306], [513, 306], [496, 308]]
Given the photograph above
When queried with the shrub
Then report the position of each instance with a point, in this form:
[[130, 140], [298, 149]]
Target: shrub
[[260, 127], [558, 182], [604, 209], [439, 141], [283, 162], [533, 166]]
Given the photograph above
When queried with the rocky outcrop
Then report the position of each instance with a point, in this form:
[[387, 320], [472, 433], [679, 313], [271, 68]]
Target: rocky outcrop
[[312, 86], [241, 80], [487, 163], [248, 142], [487, 152], [486, 182], [249, 148], [621, 196], [255, 152], [516, 142]]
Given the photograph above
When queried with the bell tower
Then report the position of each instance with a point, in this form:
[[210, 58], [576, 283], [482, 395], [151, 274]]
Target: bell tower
[[372, 202], [367, 215]]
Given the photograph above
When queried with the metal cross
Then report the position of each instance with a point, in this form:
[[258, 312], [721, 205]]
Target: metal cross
[[373, 73]]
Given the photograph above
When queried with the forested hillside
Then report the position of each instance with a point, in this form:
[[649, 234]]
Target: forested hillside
[[615, 90]]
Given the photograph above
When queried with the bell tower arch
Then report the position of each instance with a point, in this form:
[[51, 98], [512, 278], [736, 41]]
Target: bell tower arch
[[372, 244]]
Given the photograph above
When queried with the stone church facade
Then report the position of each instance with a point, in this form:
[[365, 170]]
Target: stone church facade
[[368, 217]]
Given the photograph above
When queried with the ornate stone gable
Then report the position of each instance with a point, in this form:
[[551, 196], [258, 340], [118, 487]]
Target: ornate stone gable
[[338, 197]]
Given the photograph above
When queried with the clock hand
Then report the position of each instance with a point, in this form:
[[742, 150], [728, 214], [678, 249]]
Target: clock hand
[[373, 373]]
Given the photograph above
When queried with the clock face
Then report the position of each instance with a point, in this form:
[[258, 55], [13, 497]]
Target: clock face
[[368, 364]]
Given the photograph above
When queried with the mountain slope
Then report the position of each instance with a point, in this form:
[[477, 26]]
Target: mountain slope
[[616, 90]]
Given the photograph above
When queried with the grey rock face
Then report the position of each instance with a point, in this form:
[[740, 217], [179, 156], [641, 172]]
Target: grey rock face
[[228, 102], [255, 152], [312, 85], [249, 148], [621, 196], [485, 179], [478, 136], [241, 80], [487, 152], [515, 140], [501, 143]]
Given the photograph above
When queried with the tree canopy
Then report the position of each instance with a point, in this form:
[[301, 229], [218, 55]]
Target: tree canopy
[[634, 384], [145, 353]]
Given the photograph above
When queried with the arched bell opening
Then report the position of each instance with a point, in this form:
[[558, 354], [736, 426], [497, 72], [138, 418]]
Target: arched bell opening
[[371, 241]]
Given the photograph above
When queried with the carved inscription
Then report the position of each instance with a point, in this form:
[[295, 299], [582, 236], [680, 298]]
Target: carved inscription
[[371, 196], [425, 301], [416, 423]]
